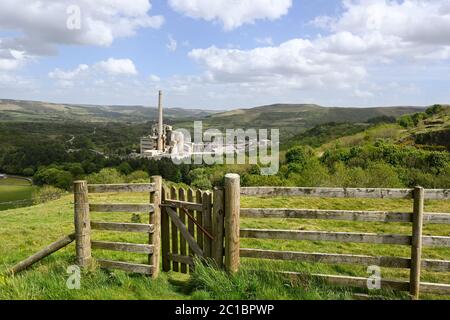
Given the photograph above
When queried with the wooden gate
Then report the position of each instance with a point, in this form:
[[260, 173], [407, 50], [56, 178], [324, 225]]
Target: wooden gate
[[83, 225], [192, 224]]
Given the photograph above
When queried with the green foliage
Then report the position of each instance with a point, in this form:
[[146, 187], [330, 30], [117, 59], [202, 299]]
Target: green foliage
[[28, 172], [406, 121], [299, 155], [139, 176], [53, 176], [435, 109], [47, 193], [76, 169], [106, 176], [125, 168]]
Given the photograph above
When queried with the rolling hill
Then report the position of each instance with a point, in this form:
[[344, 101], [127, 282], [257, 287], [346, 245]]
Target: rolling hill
[[19, 110], [293, 119]]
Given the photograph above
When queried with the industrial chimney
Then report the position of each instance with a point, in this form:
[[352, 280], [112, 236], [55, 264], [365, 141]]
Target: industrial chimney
[[160, 124]]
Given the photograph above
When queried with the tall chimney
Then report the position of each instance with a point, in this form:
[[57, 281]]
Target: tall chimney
[[160, 123]]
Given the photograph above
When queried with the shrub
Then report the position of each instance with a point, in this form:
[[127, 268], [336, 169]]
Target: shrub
[[47, 193], [106, 176], [28, 172], [138, 177], [53, 176], [299, 155], [125, 168], [405, 121]]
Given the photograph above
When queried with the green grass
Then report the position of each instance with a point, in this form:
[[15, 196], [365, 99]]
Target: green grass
[[14, 190], [24, 231]]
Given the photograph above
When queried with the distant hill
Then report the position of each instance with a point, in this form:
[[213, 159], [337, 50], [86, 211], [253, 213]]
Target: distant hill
[[292, 119], [19, 110], [431, 132]]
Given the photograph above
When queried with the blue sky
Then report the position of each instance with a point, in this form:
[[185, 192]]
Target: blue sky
[[227, 54]]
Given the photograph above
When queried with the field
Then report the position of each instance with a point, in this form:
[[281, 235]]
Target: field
[[26, 230], [12, 190]]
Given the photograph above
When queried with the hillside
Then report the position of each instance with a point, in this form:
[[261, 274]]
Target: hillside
[[292, 119], [430, 132], [18, 110]]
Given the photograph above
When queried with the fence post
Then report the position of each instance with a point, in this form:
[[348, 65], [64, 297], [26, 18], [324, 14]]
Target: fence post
[[82, 224], [165, 233], [155, 219], [218, 227], [232, 212], [416, 244]]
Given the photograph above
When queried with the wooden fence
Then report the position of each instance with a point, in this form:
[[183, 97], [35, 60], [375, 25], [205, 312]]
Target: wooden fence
[[84, 225], [184, 223], [416, 240], [192, 225]]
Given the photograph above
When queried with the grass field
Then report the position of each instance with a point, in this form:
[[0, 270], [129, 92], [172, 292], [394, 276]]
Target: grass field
[[26, 230], [14, 190]]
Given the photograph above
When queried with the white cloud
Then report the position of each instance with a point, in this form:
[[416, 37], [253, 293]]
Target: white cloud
[[265, 41], [117, 66], [364, 38], [172, 44], [42, 24], [416, 29], [232, 14], [154, 78], [108, 72], [68, 75]]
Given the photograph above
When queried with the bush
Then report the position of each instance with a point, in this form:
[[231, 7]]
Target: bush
[[435, 109], [138, 177], [405, 121], [106, 176], [28, 172], [202, 183], [54, 177], [299, 154], [125, 168], [47, 193]]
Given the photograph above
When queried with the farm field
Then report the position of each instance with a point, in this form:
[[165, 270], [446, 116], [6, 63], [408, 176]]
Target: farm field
[[14, 190], [26, 230]]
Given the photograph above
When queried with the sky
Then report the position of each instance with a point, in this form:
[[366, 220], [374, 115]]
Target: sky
[[226, 54]]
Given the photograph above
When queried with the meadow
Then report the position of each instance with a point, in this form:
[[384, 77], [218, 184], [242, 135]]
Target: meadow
[[12, 190], [24, 231]]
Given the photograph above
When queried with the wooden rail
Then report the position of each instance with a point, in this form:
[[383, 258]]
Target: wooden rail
[[52, 248], [429, 241], [121, 207], [126, 266], [123, 246], [343, 215], [416, 240], [361, 282], [330, 258], [116, 188], [381, 193], [123, 227]]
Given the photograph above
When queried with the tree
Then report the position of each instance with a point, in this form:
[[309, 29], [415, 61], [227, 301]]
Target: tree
[[406, 121], [299, 154], [125, 168]]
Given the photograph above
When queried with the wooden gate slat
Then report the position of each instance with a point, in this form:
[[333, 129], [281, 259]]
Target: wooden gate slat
[[165, 233], [184, 232], [175, 265], [182, 215], [207, 222], [199, 217], [191, 227]]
